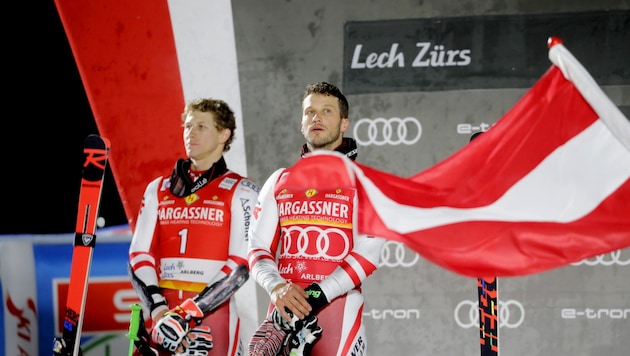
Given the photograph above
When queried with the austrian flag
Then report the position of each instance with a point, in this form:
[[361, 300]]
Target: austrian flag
[[547, 185]]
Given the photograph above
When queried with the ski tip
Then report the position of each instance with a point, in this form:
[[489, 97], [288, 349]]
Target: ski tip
[[96, 151], [96, 141]]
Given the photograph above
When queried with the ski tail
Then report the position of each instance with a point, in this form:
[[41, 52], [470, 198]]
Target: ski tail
[[96, 151], [488, 294]]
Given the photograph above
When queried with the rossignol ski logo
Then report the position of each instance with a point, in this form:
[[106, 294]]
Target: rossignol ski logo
[[87, 239], [95, 151], [96, 157]]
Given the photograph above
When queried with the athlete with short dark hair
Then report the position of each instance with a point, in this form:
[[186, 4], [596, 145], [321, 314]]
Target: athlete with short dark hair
[[315, 281]]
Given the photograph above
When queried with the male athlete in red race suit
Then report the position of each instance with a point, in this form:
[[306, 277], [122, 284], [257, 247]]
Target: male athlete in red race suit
[[192, 226], [308, 224]]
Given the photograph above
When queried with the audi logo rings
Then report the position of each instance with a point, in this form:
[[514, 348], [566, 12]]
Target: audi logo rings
[[511, 314], [395, 254], [381, 131], [613, 258], [315, 242]]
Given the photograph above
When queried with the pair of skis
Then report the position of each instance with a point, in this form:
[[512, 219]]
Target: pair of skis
[[96, 151]]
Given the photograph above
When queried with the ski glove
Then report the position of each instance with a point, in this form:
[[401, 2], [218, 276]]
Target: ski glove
[[171, 329], [316, 298], [278, 321], [301, 342], [199, 342], [267, 340]]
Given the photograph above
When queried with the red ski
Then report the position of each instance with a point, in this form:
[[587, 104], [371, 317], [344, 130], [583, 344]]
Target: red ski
[[96, 150]]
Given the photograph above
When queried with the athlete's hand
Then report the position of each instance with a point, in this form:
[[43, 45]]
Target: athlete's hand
[[289, 297], [170, 330], [198, 342]]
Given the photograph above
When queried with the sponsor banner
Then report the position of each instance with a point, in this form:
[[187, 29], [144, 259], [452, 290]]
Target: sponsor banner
[[19, 299], [479, 52], [34, 277], [108, 304], [109, 296]]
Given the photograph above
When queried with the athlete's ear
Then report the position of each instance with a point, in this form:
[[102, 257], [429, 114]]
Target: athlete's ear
[[345, 123], [225, 135]]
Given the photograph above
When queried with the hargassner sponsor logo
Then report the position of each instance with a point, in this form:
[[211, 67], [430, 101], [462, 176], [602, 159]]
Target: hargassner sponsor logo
[[392, 131], [395, 254], [615, 258], [511, 314]]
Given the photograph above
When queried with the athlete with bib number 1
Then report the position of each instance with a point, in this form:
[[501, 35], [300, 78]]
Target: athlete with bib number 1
[[315, 282], [191, 233]]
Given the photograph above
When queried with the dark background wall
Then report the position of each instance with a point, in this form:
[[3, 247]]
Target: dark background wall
[[48, 117]]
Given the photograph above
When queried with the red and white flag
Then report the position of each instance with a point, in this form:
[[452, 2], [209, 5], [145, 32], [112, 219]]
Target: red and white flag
[[547, 185]]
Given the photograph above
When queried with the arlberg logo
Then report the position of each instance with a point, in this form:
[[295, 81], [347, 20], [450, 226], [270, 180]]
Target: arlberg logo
[[394, 131], [306, 244], [395, 254], [511, 314], [614, 258]]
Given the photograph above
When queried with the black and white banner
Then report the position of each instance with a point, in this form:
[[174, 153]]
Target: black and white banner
[[479, 52]]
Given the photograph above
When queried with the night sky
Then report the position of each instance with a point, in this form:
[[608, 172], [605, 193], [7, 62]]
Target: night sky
[[47, 117]]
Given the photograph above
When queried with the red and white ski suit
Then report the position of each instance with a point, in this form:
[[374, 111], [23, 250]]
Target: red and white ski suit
[[183, 244], [309, 224]]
